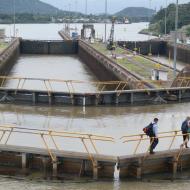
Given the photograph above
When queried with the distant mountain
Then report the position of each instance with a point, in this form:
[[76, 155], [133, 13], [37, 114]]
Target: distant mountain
[[27, 6], [136, 12]]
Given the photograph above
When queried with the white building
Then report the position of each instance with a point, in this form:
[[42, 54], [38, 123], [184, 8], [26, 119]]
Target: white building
[[159, 74]]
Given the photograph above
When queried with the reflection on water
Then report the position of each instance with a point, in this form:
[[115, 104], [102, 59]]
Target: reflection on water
[[109, 121], [51, 67], [11, 184]]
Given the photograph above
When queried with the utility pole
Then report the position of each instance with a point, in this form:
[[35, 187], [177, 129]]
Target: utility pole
[[150, 1], [166, 17], [86, 7], [175, 39], [106, 11], [14, 19]]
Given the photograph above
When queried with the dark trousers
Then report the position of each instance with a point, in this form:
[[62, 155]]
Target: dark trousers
[[154, 143], [185, 135]]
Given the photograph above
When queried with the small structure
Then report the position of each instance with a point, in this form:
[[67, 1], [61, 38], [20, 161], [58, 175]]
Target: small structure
[[84, 28], [159, 74]]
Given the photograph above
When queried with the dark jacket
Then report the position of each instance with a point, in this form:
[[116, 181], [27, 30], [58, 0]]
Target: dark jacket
[[184, 127]]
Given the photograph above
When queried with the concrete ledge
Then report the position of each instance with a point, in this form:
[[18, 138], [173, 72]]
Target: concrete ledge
[[161, 162], [18, 159], [127, 97]]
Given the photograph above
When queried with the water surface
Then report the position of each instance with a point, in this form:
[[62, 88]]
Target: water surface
[[50, 31]]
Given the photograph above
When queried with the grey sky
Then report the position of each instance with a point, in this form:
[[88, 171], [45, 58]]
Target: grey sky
[[97, 6]]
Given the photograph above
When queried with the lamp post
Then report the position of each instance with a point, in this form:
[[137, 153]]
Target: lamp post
[[106, 10], [175, 39]]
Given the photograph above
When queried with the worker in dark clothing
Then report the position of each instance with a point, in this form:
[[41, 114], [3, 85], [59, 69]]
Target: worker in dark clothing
[[154, 137], [185, 131]]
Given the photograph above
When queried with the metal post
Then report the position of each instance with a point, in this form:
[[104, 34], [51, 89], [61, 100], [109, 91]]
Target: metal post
[[149, 36], [86, 7], [166, 18], [175, 39], [106, 9], [14, 19]]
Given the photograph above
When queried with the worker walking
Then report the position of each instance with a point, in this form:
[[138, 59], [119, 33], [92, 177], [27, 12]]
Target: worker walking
[[152, 131], [185, 128]]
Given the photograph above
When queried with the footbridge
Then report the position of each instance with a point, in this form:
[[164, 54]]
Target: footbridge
[[51, 157], [168, 160], [71, 92]]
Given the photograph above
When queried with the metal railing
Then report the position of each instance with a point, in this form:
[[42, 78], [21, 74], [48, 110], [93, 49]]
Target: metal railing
[[8, 130], [182, 82], [71, 85], [85, 138], [139, 138]]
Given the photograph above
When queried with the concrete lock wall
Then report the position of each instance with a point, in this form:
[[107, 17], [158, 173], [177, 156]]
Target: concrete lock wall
[[183, 52], [8, 56], [127, 98], [95, 64], [155, 47], [159, 47], [48, 47]]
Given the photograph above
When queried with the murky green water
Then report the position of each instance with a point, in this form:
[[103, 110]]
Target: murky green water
[[52, 67], [112, 121], [14, 184], [109, 121]]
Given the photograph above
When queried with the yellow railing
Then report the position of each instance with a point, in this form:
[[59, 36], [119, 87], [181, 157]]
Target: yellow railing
[[139, 138], [100, 86], [8, 130], [70, 86]]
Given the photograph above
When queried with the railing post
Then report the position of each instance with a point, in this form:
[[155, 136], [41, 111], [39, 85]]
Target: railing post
[[174, 167], [24, 163], [180, 95], [44, 162], [116, 99], [139, 169], [55, 168], [34, 97], [50, 97], [95, 170], [132, 98]]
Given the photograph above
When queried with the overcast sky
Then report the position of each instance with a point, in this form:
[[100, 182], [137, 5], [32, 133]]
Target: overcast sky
[[97, 6]]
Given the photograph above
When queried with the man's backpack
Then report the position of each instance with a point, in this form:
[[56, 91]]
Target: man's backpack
[[184, 127], [148, 130]]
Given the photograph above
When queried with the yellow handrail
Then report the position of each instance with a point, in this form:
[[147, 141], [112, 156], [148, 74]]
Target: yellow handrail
[[62, 134], [143, 137], [116, 86]]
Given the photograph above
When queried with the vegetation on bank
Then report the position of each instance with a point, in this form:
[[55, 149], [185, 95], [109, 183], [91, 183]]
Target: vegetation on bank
[[24, 18], [136, 64], [36, 11], [3, 45], [136, 14], [157, 24], [186, 29]]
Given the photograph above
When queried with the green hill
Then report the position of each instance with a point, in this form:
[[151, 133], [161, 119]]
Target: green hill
[[136, 12], [158, 21], [27, 6]]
